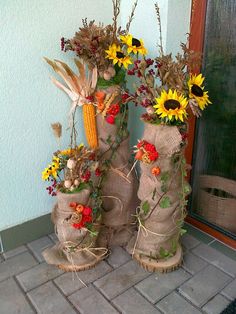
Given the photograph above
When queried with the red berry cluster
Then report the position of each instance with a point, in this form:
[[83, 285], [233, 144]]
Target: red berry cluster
[[52, 188], [86, 213], [86, 176], [148, 148], [98, 172], [112, 112]]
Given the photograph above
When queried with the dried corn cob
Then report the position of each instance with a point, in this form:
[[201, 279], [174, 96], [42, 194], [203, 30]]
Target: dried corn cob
[[90, 126]]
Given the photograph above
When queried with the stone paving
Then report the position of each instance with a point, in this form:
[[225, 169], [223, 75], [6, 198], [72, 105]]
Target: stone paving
[[206, 283]]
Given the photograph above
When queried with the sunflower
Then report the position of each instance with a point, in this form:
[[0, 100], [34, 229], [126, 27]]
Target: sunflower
[[134, 45], [171, 105], [116, 54], [196, 91]]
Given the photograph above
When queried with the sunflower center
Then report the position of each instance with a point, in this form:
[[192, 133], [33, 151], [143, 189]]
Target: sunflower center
[[119, 55], [136, 42], [171, 104], [196, 90]]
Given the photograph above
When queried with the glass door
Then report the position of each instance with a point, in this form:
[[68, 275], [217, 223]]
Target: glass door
[[213, 199]]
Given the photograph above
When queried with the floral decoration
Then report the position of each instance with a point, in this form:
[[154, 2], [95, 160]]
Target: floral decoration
[[167, 87], [82, 215], [146, 152]]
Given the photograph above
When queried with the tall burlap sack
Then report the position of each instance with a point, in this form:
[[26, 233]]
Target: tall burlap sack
[[159, 231], [119, 191], [86, 254]]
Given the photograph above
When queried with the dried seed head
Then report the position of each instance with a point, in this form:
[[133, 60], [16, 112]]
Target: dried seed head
[[57, 129]]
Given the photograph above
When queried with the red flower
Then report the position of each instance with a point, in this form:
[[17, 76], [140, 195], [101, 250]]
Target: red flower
[[114, 110], [87, 211], [141, 143], [110, 119], [79, 225], [86, 219]]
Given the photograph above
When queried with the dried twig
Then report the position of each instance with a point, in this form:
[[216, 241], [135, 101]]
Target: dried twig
[[131, 17], [159, 24], [116, 12]]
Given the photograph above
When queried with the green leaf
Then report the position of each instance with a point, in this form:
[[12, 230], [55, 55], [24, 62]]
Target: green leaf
[[173, 246], [182, 231], [145, 207], [165, 202], [164, 253], [165, 176], [187, 188]]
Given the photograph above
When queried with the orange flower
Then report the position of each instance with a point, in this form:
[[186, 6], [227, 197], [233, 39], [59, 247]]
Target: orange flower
[[79, 208], [156, 171], [100, 96]]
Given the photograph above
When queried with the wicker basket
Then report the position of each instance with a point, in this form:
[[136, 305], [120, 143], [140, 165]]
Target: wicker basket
[[220, 210]]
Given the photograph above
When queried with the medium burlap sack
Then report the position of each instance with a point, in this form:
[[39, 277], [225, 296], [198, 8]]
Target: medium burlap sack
[[85, 253], [159, 231], [119, 191]]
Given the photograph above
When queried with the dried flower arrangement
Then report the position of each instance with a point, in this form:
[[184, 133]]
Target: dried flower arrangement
[[169, 90], [168, 86], [107, 48], [104, 54]]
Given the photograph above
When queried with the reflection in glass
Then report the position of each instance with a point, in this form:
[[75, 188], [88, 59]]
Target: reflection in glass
[[214, 165]]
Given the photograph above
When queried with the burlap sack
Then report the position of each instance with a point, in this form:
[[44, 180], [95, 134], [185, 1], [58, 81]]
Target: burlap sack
[[86, 254], [119, 191], [159, 231]]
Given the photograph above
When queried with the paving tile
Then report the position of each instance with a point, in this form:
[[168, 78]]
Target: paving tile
[[16, 265], [198, 234], [89, 301], [189, 242], [131, 302], [216, 258], [230, 290], [37, 276], [12, 299], [216, 305], [175, 304], [193, 263], [224, 249], [118, 257], [120, 279], [53, 237], [157, 286], [204, 285], [70, 282], [38, 246], [15, 252], [47, 299]]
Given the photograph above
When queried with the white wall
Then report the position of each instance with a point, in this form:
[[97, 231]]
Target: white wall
[[29, 102]]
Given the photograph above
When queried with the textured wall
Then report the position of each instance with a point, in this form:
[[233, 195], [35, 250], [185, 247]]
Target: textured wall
[[29, 102]]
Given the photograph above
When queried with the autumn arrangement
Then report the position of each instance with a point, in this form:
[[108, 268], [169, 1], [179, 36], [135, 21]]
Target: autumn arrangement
[[98, 194]]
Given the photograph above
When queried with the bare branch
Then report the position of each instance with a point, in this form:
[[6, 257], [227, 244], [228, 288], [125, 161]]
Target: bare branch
[[159, 24], [131, 17]]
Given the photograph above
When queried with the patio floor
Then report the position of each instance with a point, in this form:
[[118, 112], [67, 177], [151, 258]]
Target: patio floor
[[206, 282]]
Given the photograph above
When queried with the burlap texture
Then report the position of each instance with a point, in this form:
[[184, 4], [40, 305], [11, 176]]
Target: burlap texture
[[86, 252], [160, 227], [119, 191]]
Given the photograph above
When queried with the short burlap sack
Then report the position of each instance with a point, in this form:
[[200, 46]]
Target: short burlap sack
[[76, 249], [159, 232], [119, 191]]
